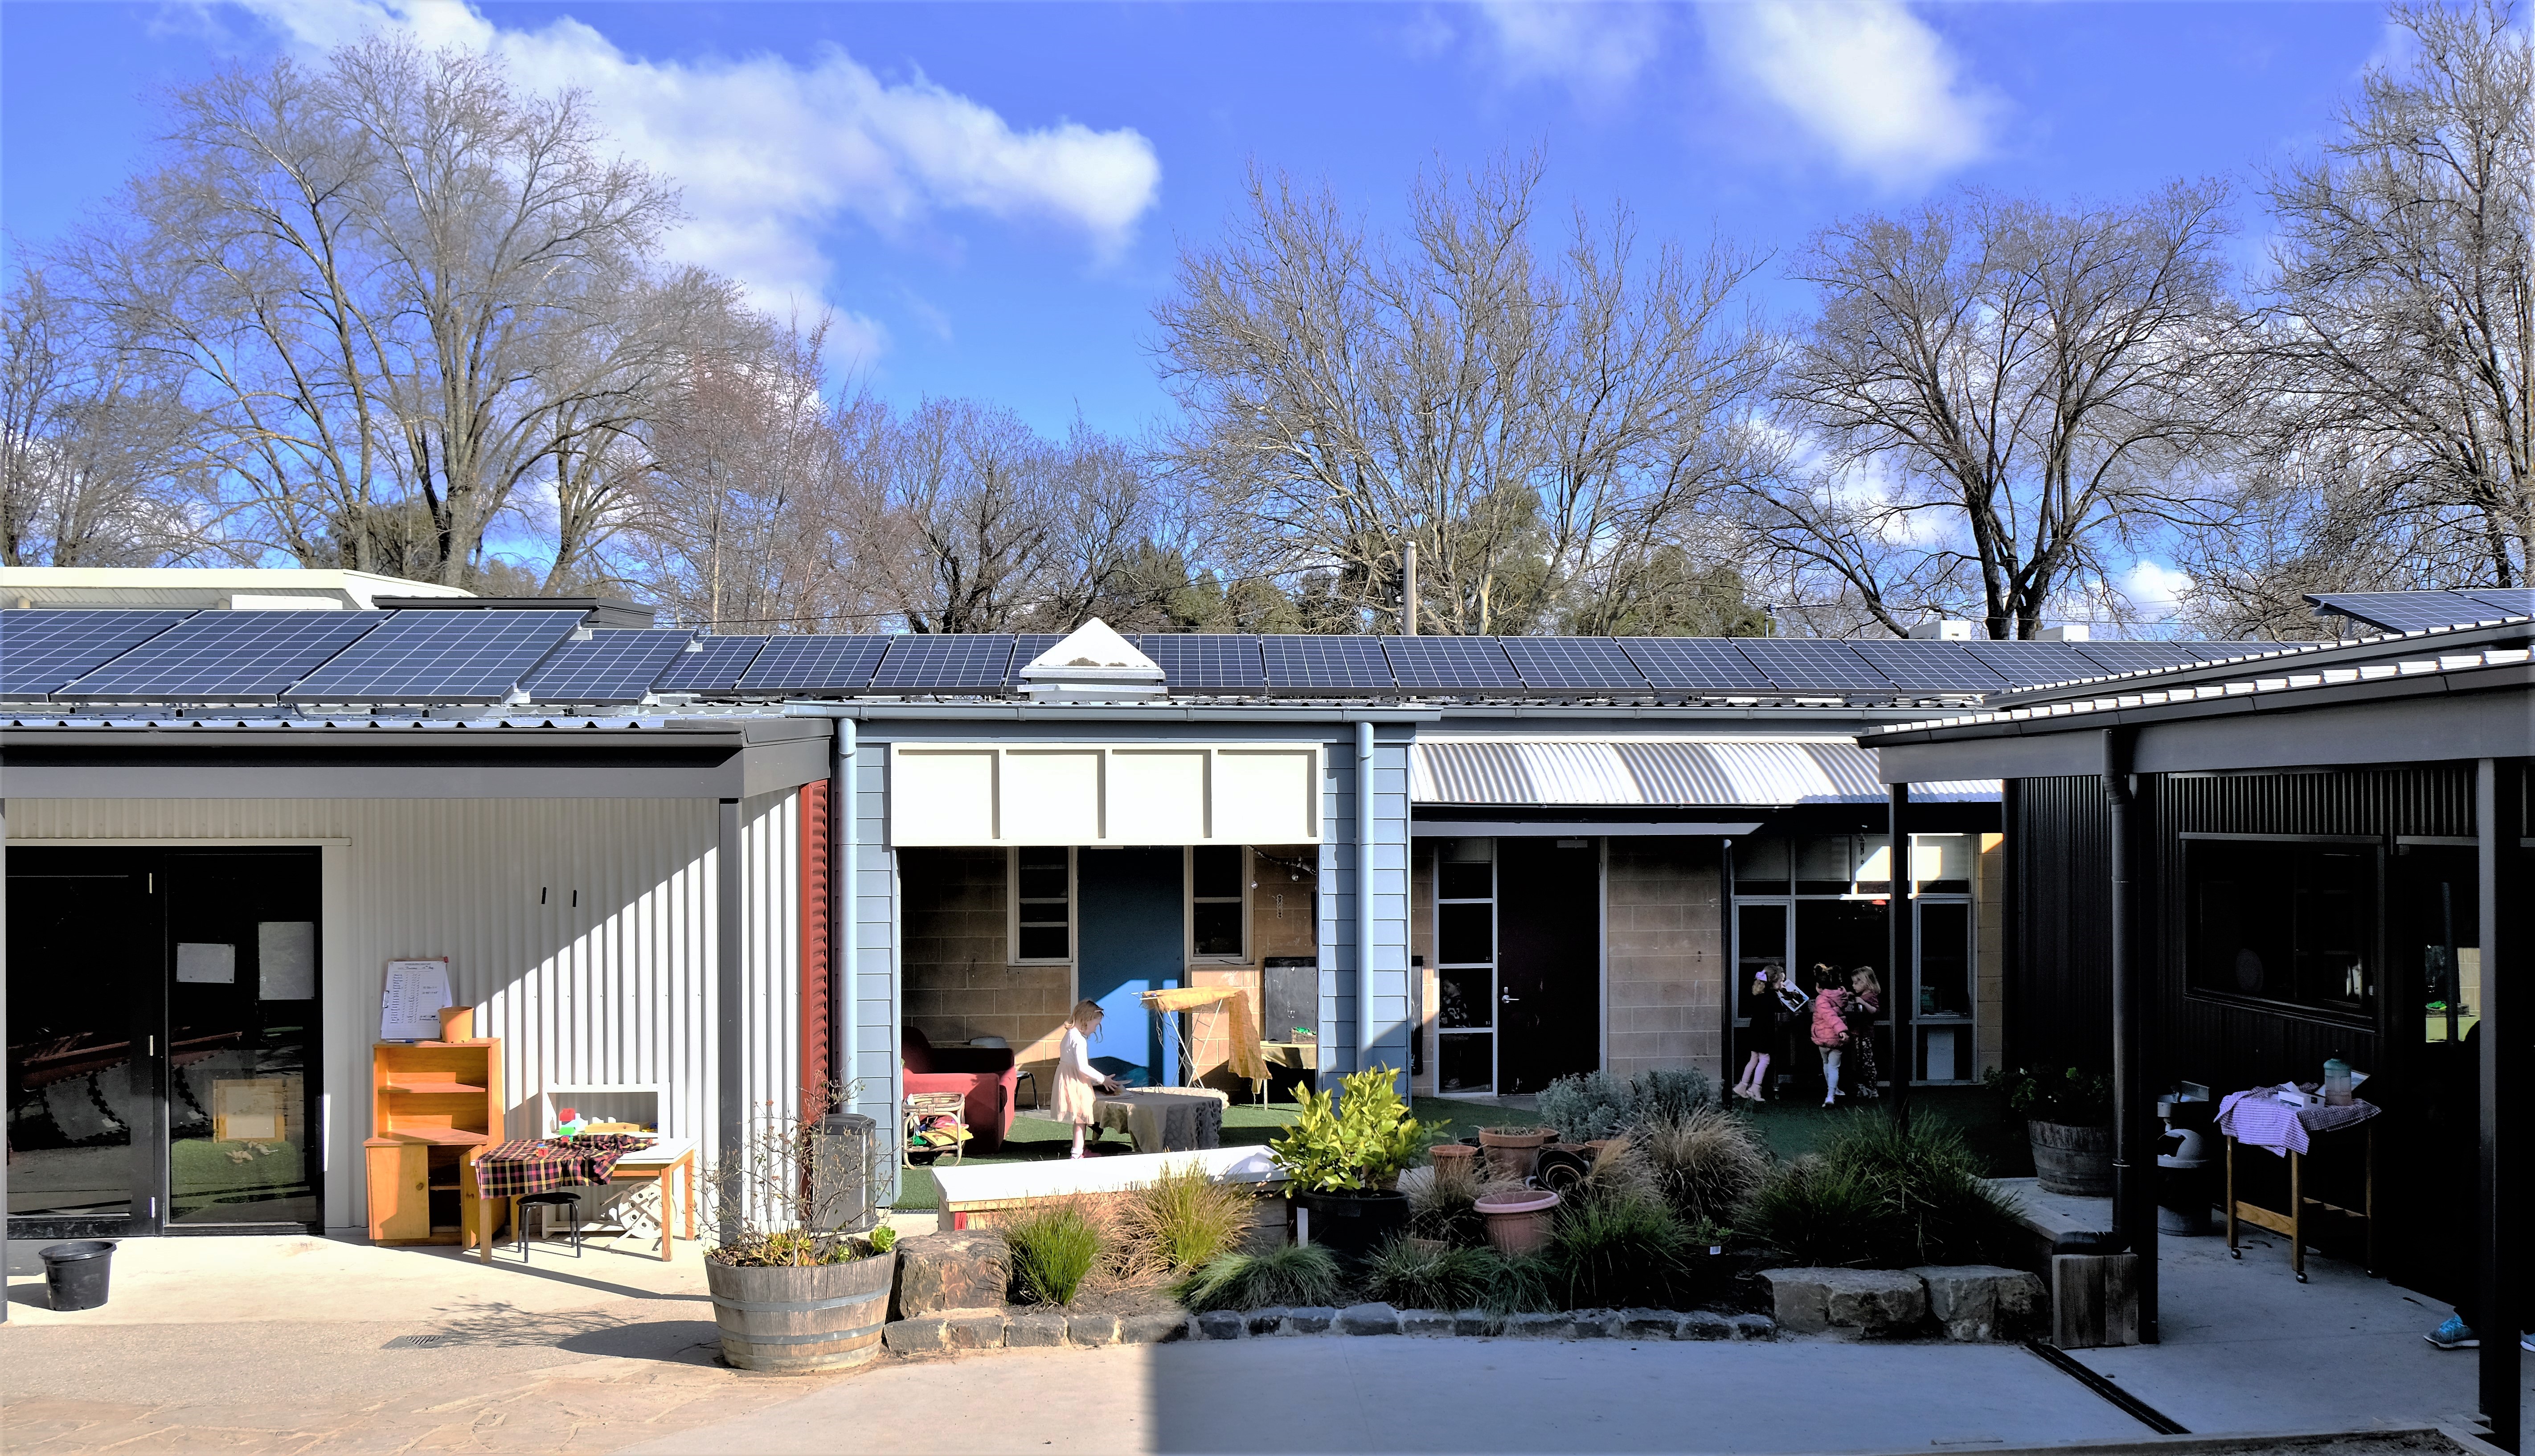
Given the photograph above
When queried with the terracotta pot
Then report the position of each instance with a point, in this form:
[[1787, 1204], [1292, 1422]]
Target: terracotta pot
[[1520, 1223], [1593, 1146], [1511, 1154], [1453, 1152]]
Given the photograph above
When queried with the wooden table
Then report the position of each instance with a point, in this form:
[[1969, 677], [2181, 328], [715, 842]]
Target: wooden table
[[655, 1164], [2292, 1224]]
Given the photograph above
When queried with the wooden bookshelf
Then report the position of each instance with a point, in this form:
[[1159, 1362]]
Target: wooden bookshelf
[[434, 1107]]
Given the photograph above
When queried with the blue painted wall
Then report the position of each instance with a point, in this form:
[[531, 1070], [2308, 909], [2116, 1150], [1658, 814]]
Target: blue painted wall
[[1131, 939]]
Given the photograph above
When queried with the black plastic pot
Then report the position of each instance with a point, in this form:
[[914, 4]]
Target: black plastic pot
[[76, 1274], [1353, 1225]]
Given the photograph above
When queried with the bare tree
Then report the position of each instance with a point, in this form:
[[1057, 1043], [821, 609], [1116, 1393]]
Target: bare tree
[[89, 438], [2402, 316], [2001, 391], [403, 292], [1538, 429]]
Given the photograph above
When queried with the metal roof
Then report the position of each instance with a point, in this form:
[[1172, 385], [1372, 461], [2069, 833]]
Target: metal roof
[[1656, 772], [2411, 611]]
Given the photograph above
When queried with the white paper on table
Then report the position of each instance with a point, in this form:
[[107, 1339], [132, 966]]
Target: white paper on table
[[206, 964], [409, 1007], [285, 959]]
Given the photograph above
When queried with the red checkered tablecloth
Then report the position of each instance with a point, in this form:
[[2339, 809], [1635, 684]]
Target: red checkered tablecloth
[[525, 1166]]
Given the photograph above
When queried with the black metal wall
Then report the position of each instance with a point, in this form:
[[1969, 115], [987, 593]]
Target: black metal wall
[[2059, 988]]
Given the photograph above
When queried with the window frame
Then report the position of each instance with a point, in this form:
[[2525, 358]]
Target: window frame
[[1013, 908], [1493, 1028], [1189, 900], [2368, 1017]]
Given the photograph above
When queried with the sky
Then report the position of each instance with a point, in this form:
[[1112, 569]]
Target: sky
[[990, 198]]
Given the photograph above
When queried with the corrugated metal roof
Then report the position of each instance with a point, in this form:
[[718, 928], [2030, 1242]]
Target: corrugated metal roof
[[1657, 772]]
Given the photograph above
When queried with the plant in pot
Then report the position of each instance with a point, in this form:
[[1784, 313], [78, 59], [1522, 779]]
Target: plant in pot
[[2069, 1118], [796, 1289], [1343, 1158]]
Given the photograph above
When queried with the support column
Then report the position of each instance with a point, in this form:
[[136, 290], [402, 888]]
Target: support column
[[1903, 961], [2134, 1149], [731, 1105], [840, 904], [2500, 825], [1365, 1036]]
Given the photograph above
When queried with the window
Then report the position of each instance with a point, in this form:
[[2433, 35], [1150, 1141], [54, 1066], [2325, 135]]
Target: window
[[2284, 921], [1042, 906], [1219, 917]]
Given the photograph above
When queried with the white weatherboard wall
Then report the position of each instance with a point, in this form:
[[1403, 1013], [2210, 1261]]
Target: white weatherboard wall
[[618, 987]]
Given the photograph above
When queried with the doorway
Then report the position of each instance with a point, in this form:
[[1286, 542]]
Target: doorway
[[1549, 964], [1133, 940], [163, 1059]]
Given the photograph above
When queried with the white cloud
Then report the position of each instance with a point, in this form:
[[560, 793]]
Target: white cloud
[[1866, 77], [1595, 48], [2155, 592], [771, 155]]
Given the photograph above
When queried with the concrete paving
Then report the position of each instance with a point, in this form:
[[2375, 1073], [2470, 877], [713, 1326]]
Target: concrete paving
[[1389, 1394]]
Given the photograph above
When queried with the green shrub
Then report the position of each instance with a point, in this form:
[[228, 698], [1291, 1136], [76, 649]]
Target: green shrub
[[1443, 1199], [1620, 1174], [1708, 1161], [1054, 1247], [1182, 1220], [1359, 1140], [2068, 1097], [1415, 1277], [882, 1238], [1522, 1283], [1617, 1252], [1596, 1105], [1814, 1214], [1297, 1274], [1879, 1197]]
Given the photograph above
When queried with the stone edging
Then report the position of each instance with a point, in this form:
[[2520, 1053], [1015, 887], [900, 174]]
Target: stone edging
[[1024, 1329]]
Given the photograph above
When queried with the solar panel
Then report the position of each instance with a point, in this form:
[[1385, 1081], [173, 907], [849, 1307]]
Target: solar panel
[[1446, 664], [715, 666], [2412, 611], [225, 656], [1572, 665], [41, 648], [2031, 664], [2514, 601], [613, 665], [1196, 662], [2119, 657], [811, 662], [428, 656], [1809, 665], [1694, 665], [1027, 648], [1335, 664], [1939, 666], [948, 662]]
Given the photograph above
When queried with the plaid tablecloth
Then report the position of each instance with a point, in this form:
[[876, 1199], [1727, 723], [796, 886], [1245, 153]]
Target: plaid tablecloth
[[525, 1166]]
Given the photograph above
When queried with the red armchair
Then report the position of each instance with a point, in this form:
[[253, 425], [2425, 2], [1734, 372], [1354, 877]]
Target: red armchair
[[985, 1075]]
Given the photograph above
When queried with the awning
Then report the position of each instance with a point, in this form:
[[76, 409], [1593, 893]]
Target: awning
[[1683, 772]]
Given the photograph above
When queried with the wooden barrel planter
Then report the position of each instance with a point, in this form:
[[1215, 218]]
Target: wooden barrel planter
[[2076, 1160], [797, 1322]]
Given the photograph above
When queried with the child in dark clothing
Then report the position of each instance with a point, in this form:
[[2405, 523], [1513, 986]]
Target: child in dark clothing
[[1865, 1003]]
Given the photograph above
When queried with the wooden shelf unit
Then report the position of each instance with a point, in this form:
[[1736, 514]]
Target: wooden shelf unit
[[434, 1107]]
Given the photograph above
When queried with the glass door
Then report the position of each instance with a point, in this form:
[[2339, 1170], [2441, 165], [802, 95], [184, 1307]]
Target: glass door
[[245, 1140], [86, 1114], [1942, 1022], [1465, 966]]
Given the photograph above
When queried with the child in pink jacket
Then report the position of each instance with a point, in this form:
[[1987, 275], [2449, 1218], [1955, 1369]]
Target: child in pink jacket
[[1830, 1027]]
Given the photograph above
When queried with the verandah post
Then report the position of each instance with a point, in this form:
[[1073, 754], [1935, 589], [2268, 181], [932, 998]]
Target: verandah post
[[2500, 827], [1903, 958]]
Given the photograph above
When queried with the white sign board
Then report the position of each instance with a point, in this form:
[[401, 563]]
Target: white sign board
[[205, 964], [409, 1008], [285, 959]]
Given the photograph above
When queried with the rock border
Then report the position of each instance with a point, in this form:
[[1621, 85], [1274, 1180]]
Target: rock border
[[960, 1330]]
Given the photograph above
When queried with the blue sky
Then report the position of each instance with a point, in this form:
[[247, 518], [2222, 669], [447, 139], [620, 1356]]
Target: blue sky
[[991, 196]]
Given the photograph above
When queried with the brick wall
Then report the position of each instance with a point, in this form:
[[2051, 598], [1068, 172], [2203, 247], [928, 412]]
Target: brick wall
[[1989, 956], [958, 974], [1667, 955]]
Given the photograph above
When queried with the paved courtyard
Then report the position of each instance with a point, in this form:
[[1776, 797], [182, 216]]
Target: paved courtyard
[[307, 1345]]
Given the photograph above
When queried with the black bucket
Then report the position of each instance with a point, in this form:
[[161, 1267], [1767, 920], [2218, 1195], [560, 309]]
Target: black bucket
[[75, 1274]]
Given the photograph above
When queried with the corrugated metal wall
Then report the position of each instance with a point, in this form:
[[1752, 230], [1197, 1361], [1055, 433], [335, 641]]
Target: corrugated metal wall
[[582, 930], [2059, 985]]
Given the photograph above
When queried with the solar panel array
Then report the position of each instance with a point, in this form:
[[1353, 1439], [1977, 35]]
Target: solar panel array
[[42, 649], [610, 665], [2419, 611], [814, 662], [484, 655], [470, 656], [224, 657]]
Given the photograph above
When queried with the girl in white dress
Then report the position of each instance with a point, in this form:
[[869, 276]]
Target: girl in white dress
[[1077, 1079]]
